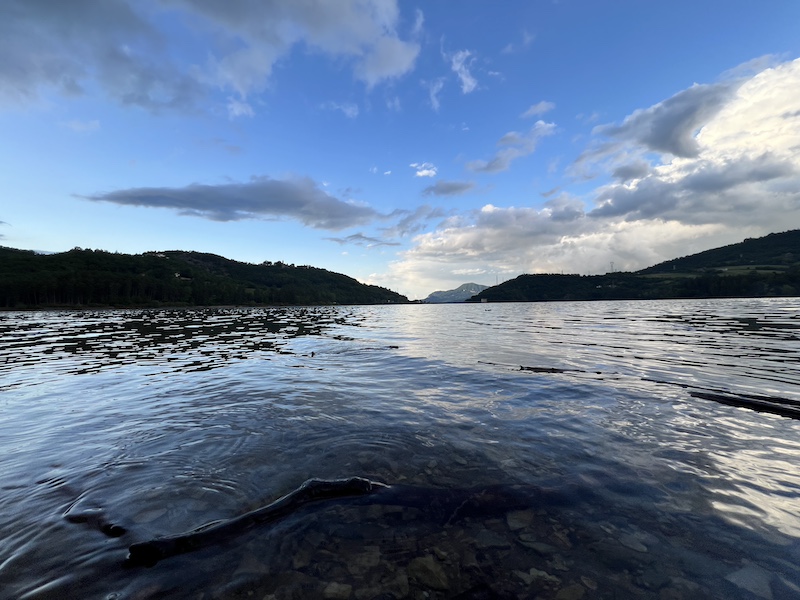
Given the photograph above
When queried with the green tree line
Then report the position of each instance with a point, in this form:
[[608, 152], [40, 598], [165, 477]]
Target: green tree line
[[83, 277]]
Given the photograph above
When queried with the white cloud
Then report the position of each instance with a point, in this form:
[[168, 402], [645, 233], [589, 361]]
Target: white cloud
[[389, 58], [527, 39], [419, 21], [513, 145], [460, 64], [239, 108], [538, 109], [424, 169], [348, 109], [740, 168], [434, 89], [79, 126]]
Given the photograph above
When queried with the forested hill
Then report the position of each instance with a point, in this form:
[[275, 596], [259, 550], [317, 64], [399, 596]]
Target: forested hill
[[767, 266], [97, 278], [776, 250]]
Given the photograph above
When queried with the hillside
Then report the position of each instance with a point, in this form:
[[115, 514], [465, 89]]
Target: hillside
[[97, 278], [767, 266], [460, 294], [773, 252]]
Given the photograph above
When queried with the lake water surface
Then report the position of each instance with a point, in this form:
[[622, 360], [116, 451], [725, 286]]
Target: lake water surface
[[555, 450]]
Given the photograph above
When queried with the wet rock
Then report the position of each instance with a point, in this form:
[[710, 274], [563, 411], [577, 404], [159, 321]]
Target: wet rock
[[571, 592], [754, 579], [487, 538], [589, 583], [632, 542], [337, 591], [670, 593], [617, 557], [250, 565], [557, 563], [535, 575], [362, 562], [541, 548], [560, 538], [428, 572], [468, 558], [654, 579], [519, 519], [397, 585], [294, 586], [301, 558]]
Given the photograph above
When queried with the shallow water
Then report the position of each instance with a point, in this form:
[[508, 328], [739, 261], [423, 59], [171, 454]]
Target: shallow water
[[593, 471]]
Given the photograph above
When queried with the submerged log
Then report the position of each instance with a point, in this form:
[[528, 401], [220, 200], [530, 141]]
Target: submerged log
[[151, 552], [444, 506]]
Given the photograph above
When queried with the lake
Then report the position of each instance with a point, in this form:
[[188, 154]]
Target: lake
[[553, 450]]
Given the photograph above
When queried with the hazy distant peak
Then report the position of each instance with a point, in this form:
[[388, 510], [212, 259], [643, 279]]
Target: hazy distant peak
[[460, 294]]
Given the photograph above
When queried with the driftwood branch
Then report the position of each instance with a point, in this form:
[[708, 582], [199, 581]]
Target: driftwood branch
[[149, 553]]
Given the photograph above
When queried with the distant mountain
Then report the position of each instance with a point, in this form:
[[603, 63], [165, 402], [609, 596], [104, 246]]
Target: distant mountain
[[177, 278], [766, 266], [460, 294]]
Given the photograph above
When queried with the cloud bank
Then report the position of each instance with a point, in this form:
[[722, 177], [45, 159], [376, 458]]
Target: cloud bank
[[122, 47], [708, 166]]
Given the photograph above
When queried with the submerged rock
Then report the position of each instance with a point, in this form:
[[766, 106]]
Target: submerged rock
[[487, 538], [337, 591], [754, 579], [572, 592], [429, 572], [519, 519]]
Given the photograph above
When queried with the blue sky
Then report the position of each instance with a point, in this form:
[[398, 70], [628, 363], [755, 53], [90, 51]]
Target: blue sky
[[416, 146]]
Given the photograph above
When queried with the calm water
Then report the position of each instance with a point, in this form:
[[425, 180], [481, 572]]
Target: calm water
[[596, 471]]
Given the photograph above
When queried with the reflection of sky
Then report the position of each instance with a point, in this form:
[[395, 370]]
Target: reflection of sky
[[407, 385], [707, 458], [741, 346]]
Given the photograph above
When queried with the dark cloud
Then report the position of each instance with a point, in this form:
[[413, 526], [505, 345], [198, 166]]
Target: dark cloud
[[448, 188], [360, 239], [564, 209], [550, 192], [76, 46], [411, 222], [299, 199], [67, 46], [711, 177], [732, 192], [633, 170], [670, 126]]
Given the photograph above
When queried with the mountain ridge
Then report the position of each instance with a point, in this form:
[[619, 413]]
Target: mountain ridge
[[459, 294]]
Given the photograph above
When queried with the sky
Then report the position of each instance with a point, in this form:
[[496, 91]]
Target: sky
[[412, 145]]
